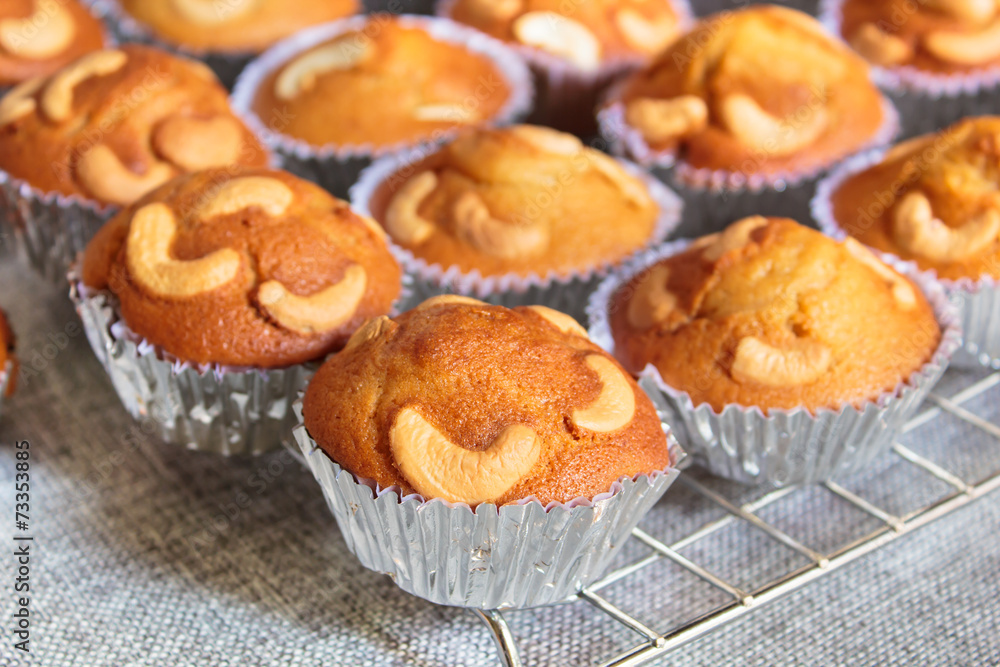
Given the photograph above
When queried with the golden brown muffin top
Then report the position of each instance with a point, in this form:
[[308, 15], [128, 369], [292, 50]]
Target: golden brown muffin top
[[234, 25], [118, 123], [38, 38], [7, 342], [382, 85], [524, 199], [938, 36], [772, 314], [761, 90], [934, 200], [468, 402], [243, 268], [585, 33]]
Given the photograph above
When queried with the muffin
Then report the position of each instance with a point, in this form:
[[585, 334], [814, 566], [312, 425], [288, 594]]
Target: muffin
[[224, 282], [103, 132], [8, 361], [332, 98], [515, 214], [225, 34], [940, 61], [751, 105], [474, 412], [786, 356], [934, 201], [37, 39], [575, 49]]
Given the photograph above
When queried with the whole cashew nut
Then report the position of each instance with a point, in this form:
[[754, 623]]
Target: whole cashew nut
[[879, 47], [458, 114], [965, 48], [20, 101], [547, 140], [317, 313], [970, 11], [57, 99], [107, 179], [902, 291], [370, 330], [560, 321], [149, 260], [799, 363], [561, 36], [664, 120], [476, 226], [269, 194], [402, 219], [300, 75], [643, 34], [614, 406], [438, 468], [214, 12], [652, 302], [631, 188], [917, 231], [449, 299], [194, 144], [47, 32], [733, 237], [756, 129]]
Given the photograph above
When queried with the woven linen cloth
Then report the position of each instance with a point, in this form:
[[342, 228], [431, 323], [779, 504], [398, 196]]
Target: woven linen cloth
[[146, 554]]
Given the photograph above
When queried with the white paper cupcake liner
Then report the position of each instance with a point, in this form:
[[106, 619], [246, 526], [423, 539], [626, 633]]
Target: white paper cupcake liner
[[6, 376], [511, 557], [977, 300], [564, 292], [784, 447], [928, 101], [49, 228], [714, 198], [336, 167]]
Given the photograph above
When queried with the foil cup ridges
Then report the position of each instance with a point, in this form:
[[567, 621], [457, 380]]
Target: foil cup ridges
[[337, 167], [928, 101], [6, 377], [784, 447], [49, 228], [511, 557], [977, 300], [713, 198], [564, 292]]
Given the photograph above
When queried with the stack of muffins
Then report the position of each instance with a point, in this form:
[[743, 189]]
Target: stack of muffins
[[512, 168]]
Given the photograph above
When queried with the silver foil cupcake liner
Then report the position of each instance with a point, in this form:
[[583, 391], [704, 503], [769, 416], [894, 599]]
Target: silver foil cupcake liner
[[50, 229], [784, 447], [928, 101], [714, 198], [6, 377], [337, 167], [977, 300], [509, 557], [564, 292]]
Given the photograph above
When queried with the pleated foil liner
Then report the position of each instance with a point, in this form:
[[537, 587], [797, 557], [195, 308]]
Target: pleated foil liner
[[566, 293], [336, 168], [215, 409], [977, 300], [785, 447], [928, 101], [6, 377], [50, 229], [511, 557], [713, 199]]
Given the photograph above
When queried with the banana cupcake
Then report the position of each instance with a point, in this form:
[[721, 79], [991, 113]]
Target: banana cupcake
[[935, 201], [225, 34], [938, 59], [38, 38], [474, 438], [517, 215], [784, 356], [333, 98], [751, 106], [207, 299], [575, 49], [8, 361], [101, 133]]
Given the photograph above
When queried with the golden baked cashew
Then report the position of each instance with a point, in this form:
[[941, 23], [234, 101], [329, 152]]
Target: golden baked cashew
[[213, 12], [106, 178], [970, 11], [20, 101], [476, 226], [879, 47], [459, 114], [547, 140], [561, 36], [919, 232], [300, 75], [614, 406], [437, 468], [149, 261], [269, 194], [449, 299], [47, 32], [317, 313], [402, 217], [902, 290], [194, 144], [909, 147], [733, 237], [965, 48], [634, 190], [799, 363], [663, 120], [652, 302], [370, 330], [756, 129], [560, 321], [643, 34], [57, 99]]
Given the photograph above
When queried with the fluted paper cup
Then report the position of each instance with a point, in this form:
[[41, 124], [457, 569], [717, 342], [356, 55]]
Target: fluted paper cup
[[784, 447], [6, 378], [977, 299], [508, 557], [336, 167]]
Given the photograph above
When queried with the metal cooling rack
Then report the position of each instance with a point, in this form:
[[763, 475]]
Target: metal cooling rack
[[741, 601]]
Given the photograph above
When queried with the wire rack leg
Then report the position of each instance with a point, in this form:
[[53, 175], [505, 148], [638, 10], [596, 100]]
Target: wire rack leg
[[506, 646]]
